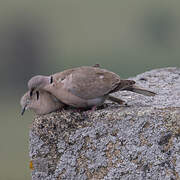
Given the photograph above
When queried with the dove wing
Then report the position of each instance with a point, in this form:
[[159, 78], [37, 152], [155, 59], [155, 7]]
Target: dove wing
[[90, 82]]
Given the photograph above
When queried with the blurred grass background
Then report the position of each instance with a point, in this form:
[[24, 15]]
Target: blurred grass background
[[44, 37]]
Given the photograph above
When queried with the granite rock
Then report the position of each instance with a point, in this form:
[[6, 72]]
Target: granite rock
[[141, 141]]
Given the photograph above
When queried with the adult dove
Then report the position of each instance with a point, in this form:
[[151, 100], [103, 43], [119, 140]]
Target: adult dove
[[41, 102], [84, 86]]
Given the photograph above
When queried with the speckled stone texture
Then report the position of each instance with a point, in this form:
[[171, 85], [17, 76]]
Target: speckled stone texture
[[138, 142]]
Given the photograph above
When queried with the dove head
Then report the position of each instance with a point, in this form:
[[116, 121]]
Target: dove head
[[38, 82], [28, 102], [41, 102]]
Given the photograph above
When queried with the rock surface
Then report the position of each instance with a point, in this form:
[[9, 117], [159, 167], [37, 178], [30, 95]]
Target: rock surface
[[141, 141]]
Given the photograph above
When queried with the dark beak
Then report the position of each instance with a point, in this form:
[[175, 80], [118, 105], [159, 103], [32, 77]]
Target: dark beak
[[23, 110]]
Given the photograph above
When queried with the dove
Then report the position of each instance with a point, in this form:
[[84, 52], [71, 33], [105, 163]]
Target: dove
[[39, 81], [85, 86], [41, 102]]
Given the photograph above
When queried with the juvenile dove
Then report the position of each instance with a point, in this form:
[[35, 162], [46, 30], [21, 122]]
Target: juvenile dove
[[84, 86], [41, 102]]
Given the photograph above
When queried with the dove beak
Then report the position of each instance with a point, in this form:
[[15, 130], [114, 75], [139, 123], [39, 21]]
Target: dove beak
[[23, 110]]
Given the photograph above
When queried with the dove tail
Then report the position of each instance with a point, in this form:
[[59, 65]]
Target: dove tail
[[123, 85], [140, 91]]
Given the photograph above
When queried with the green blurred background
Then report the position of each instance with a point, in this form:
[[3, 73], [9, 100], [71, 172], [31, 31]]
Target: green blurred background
[[44, 37]]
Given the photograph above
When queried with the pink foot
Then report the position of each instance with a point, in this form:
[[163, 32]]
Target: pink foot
[[93, 108]]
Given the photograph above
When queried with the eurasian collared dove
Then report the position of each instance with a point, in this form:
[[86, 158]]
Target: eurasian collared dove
[[84, 86], [41, 102]]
